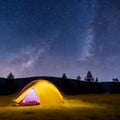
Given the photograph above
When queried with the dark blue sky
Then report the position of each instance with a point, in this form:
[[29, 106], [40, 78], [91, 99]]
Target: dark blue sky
[[50, 37]]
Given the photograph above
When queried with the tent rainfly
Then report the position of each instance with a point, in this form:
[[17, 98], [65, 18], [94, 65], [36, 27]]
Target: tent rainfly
[[39, 92]]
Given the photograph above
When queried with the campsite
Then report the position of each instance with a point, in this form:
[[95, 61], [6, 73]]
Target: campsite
[[60, 99]]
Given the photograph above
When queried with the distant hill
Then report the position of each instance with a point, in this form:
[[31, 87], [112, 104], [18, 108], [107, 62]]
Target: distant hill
[[107, 86], [67, 86]]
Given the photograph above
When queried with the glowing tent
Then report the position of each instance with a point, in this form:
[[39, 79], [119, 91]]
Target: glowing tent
[[39, 92]]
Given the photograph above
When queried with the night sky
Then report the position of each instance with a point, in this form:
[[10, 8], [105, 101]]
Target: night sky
[[50, 37]]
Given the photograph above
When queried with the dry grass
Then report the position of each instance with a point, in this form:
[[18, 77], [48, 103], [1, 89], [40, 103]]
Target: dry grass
[[82, 107]]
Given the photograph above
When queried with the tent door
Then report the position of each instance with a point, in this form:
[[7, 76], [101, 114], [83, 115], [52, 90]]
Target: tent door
[[31, 98]]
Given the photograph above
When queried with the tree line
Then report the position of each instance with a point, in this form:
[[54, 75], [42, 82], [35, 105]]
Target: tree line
[[70, 86], [89, 77]]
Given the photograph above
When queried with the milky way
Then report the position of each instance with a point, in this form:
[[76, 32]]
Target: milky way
[[50, 37], [89, 38]]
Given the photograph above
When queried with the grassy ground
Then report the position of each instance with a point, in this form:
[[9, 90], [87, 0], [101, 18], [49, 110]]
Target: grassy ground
[[82, 107]]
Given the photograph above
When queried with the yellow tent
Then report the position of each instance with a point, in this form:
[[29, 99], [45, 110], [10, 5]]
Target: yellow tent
[[39, 92]]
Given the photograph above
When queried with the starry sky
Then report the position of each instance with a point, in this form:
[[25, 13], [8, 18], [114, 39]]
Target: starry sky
[[52, 37]]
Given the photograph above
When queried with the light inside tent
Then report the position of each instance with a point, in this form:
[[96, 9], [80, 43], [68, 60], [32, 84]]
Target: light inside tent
[[30, 99]]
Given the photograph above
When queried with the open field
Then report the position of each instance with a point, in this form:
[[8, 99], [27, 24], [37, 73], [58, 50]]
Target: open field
[[82, 107]]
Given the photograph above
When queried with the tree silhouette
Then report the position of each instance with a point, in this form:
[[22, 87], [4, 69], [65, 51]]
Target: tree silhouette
[[89, 77], [115, 80], [10, 84], [96, 80], [64, 76], [115, 86], [10, 76], [78, 78]]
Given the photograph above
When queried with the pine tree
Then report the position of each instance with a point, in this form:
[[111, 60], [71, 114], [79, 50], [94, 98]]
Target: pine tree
[[89, 77], [10, 83], [115, 80], [10, 76], [64, 76], [96, 80], [78, 78]]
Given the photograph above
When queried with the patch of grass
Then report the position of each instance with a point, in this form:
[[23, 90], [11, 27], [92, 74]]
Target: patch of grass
[[83, 107], [29, 112]]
